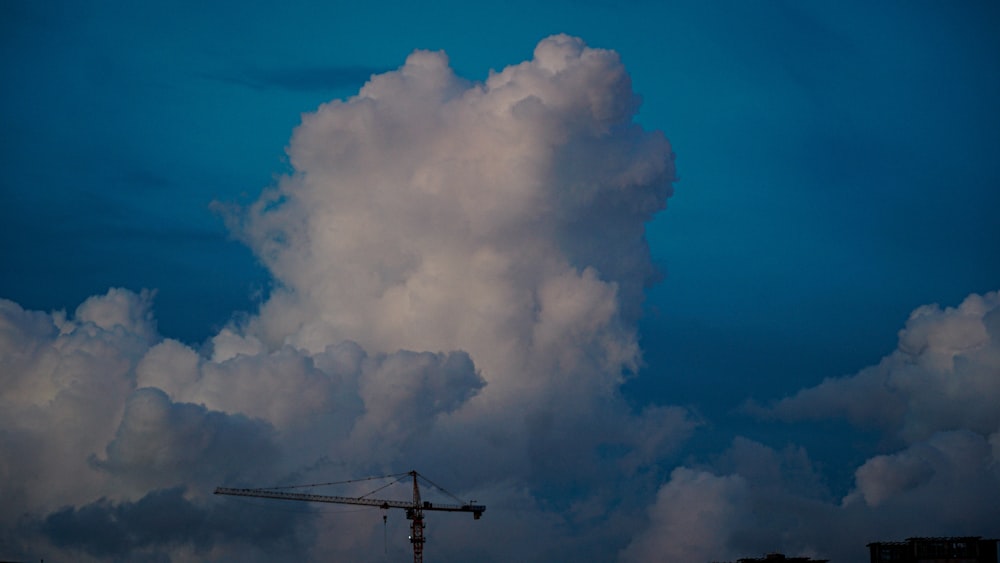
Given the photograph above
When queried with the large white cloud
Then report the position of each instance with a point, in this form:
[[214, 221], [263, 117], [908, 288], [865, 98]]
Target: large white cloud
[[459, 270], [505, 219]]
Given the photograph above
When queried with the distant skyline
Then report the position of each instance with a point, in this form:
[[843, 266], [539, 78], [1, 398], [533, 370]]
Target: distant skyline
[[679, 280]]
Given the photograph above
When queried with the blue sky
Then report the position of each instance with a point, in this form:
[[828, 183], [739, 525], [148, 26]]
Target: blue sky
[[836, 168]]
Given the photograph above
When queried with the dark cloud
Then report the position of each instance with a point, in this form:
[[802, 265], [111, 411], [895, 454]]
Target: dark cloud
[[163, 519], [160, 442]]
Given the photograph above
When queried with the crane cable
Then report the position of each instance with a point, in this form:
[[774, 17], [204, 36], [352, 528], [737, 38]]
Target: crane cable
[[440, 488], [383, 486], [337, 482], [385, 533]]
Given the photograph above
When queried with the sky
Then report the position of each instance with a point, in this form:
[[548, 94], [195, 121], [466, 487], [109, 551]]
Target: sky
[[653, 281]]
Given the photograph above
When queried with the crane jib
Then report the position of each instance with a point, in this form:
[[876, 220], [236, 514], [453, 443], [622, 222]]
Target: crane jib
[[475, 509], [414, 509]]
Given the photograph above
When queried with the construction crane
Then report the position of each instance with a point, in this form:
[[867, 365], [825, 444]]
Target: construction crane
[[414, 509]]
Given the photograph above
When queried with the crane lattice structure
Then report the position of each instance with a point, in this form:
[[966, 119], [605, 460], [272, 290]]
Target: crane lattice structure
[[414, 509]]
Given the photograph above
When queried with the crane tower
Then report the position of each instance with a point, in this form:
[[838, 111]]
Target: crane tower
[[414, 509]]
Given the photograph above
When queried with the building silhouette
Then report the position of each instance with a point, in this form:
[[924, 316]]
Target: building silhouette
[[969, 549]]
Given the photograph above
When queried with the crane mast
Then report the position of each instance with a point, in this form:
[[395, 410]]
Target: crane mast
[[414, 510], [416, 516]]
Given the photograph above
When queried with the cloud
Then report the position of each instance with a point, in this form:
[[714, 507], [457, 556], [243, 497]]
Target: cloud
[[104, 418], [957, 472], [433, 214], [404, 392], [753, 500], [747, 501], [944, 375], [934, 401], [691, 519], [120, 310], [280, 387], [504, 220], [459, 269], [92, 463], [163, 519], [162, 443], [65, 381]]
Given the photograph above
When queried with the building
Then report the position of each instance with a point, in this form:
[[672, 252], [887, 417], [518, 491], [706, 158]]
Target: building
[[970, 549]]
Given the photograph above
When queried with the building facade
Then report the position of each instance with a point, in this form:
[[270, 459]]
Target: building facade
[[970, 549]]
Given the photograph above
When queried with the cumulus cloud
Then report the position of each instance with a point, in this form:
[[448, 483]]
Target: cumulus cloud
[[90, 459], [103, 421], [162, 443], [934, 401], [65, 382], [505, 219], [944, 375], [122, 311], [502, 219], [459, 268], [753, 500], [958, 465], [937, 394], [749, 500], [163, 521], [691, 519], [281, 386]]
